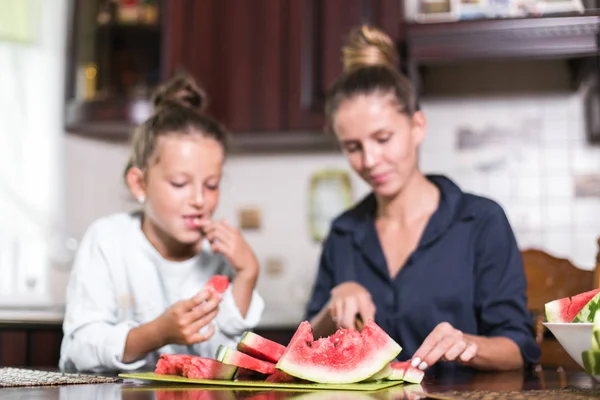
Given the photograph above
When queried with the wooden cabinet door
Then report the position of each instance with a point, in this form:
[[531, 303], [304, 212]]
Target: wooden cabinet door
[[317, 32], [235, 48], [267, 63]]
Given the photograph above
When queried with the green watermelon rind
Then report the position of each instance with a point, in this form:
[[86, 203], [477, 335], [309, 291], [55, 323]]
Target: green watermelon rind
[[591, 361], [221, 351], [588, 312], [260, 347], [412, 376], [381, 374], [323, 374]]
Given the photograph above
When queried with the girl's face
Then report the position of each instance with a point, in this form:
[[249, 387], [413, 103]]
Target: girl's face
[[181, 188], [380, 143]]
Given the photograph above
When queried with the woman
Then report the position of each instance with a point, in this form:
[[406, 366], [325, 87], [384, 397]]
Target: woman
[[437, 268]]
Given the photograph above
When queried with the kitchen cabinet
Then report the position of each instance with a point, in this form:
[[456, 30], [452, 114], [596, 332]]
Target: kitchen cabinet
[[37, 344], [265, 64], [30, 344]]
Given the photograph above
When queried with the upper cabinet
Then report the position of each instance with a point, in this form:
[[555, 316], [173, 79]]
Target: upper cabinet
[[114, 60], [265, 64]]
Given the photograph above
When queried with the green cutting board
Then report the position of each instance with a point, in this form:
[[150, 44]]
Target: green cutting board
[[370, 386]]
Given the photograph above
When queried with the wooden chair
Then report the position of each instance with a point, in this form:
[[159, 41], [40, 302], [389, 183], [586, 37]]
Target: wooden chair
[[550, 278]]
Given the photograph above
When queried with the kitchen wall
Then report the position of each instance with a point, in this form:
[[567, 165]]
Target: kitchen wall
[[522, 148]]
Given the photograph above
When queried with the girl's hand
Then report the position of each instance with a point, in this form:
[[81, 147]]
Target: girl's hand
[[349, 299], [444, 343], [181, 323], [227, 240]]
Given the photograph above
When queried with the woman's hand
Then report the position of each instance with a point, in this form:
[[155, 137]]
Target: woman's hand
[[444, 343], [227, 240], [347, 300], [181, 323]]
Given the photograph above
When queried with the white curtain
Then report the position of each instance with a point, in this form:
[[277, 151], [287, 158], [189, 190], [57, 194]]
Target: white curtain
[[32, 65]]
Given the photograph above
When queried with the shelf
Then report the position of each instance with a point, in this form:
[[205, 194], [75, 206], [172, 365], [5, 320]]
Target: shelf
[[112, 119], [544, 37]]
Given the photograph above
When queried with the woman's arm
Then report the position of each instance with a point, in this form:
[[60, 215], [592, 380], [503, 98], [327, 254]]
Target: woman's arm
[[495, 353], [505, 337]]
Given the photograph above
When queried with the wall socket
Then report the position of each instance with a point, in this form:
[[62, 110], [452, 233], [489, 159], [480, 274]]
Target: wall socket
[[274, 266], [250, 218]]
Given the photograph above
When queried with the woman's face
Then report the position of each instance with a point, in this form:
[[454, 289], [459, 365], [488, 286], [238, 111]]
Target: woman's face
[[380, 142]]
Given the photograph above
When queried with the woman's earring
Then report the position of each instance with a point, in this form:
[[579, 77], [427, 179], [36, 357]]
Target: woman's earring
[[141, 199]]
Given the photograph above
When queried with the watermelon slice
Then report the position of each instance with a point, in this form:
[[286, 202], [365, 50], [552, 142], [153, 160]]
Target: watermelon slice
[[588, 312], [193, 367], [347, 356], [567, 308], [403, 371], [259, 347], [233, 357], [591, 361], [207, 368], [218, 283], [171, 364]]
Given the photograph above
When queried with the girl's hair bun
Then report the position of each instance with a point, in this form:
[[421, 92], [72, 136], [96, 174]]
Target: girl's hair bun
[[182, 89]]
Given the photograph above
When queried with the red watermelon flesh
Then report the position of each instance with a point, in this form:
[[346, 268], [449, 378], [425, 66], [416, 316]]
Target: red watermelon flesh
[[347, 356], [171, 364], [259, 347], [567, 308], [233, 357], [193, 367], [403, 371], [207, 368], [218, 283]]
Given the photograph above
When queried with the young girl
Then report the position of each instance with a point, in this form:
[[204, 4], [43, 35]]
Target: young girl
[[137, 286], [437, 268]]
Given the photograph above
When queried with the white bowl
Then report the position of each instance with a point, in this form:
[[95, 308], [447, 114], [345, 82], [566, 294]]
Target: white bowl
[[574, 337]]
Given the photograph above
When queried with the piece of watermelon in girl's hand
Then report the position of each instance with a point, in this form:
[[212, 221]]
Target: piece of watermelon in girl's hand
[[218, 283]]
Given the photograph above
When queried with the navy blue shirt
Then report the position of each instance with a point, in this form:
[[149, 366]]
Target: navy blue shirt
[[466, 270]]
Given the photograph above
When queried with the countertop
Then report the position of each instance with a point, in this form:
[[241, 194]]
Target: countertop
[[536, 383]]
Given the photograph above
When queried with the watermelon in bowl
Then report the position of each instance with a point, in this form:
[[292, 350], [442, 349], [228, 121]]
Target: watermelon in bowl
[[570, 320]]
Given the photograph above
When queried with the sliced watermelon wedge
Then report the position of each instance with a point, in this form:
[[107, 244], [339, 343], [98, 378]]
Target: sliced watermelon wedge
[[193, 367], [207, 368], [233, 357], [567, 308], [588, 312], [259, 347], [403, 371], [347, 356]]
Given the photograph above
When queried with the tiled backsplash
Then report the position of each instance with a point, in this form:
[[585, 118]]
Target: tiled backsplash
[[530, 166], [525, 151]]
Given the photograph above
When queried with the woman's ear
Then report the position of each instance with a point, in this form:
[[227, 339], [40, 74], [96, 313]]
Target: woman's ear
[[419, 126], [136, 183]]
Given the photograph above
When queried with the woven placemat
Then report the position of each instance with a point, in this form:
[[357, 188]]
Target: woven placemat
[[19, 377], [563, 394]]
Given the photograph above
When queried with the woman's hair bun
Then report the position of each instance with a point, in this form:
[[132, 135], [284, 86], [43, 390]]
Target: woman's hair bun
[[182, 89], [367, 46]]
